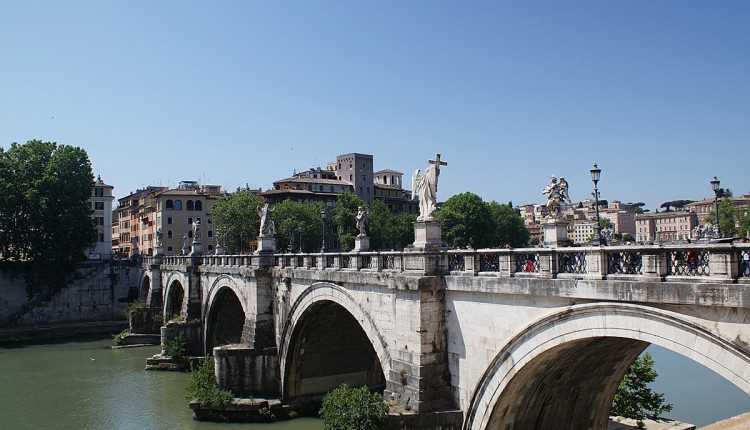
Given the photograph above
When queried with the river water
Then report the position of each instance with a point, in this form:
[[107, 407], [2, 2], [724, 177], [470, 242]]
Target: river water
[[85, 385]]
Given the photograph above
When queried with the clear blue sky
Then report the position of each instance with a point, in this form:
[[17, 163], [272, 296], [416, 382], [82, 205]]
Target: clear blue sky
[[229, 93]]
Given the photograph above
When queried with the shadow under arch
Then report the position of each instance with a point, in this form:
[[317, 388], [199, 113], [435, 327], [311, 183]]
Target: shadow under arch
[[225, 319], [174, 301], [562, 371], [328, 340]]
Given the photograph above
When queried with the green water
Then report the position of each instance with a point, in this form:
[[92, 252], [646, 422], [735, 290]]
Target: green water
[[86, 385]]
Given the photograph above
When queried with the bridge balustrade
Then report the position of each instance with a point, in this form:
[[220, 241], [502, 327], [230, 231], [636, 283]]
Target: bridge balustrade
[[708, 261]]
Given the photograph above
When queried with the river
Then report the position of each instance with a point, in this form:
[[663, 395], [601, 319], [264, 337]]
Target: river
[[85, 385]]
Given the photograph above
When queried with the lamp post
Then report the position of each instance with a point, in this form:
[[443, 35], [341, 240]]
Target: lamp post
[[595, 174], [323, 220], [715, 186]]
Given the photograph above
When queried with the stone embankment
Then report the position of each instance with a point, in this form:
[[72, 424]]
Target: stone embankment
[[93, 302], [48, 332], [620, 423], [740, 422]]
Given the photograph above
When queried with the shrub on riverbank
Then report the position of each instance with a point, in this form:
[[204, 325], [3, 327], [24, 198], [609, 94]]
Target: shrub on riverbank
[[347, 408], [176, 347], [203, 386]]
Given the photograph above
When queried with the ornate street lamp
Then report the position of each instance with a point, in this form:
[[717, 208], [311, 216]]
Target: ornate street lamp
[[715, 186], [595, 174], [323, 220]]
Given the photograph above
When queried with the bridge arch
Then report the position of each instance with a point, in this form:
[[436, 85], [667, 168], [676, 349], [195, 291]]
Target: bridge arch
[[325, 327], [174, 301], [562, 371], [225, 313]]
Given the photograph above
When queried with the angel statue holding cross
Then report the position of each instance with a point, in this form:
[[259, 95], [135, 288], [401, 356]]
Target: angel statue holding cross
[[426, 187]]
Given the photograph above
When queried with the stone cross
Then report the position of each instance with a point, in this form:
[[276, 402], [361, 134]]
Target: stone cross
[[437, 162]]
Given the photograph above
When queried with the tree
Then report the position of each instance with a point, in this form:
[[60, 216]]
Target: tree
[[605, 223], [509, 227], [634, 399], [379, 223], [347, 408], [298, 226], [45, 217], [388, 230], [466, 221], [627, 237], [728, 218], [401, 230], [235, 218], [677, 204], [743, 215], [344, 215]]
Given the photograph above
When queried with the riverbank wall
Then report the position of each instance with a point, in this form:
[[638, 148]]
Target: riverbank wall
[[98, 291]]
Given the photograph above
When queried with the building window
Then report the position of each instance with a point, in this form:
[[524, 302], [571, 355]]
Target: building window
[[190, 221], [210, 233], [169, 249], [99, 206], [210, 247], [178, 205], [198, 205], [99, 192], [170, 205], [169, 234], [169, 220], [189, 205]]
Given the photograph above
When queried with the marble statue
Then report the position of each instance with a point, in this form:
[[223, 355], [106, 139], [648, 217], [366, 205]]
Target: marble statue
[[197, 231], [557, 195], [159, 237], [267, 227], [426, 187], [362, 213]]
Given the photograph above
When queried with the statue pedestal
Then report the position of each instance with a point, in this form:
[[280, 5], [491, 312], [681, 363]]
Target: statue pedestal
[[361, 243], [219, 250], [428, 235], [159, 251], [197, 248], [556, 233], [266, 245]]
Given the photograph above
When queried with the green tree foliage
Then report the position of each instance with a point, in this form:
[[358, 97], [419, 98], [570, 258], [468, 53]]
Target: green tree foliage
[[678, 205], [634, 399], [235, 218], [509, 226], [344, 215], [605, 223], [45, 216], [203, 386], [347, 408], [469, 221], [728, 218], [297, 223], [388, 230], [466, 221], [743, 214]]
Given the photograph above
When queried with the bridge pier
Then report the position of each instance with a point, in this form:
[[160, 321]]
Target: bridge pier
[[419, 377]]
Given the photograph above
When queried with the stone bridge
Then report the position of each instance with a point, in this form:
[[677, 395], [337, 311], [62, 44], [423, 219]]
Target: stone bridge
[[505, 339]]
